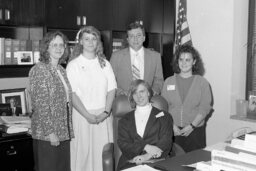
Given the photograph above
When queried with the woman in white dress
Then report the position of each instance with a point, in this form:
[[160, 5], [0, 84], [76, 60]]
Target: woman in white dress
[[93, 84]]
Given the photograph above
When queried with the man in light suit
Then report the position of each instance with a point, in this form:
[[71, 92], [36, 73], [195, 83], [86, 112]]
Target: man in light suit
[[147, 61]]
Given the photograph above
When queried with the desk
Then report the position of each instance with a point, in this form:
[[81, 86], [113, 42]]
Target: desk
[[175, 163]]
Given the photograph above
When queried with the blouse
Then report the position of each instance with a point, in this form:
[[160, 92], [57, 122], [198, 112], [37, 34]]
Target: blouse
[[49, 103]]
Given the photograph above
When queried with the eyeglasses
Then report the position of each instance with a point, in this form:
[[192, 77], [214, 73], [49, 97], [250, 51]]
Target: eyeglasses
[[55, 46]]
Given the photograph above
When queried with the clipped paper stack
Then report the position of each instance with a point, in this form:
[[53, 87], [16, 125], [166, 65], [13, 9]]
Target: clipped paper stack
[[15, 124], [240, 155]]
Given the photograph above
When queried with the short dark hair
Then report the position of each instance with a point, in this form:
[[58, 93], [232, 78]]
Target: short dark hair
[[133, 87], [198, 67], [44, 45], [135, 25]]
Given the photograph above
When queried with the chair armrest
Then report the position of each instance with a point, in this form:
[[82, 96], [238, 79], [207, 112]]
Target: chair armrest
[[108, 161]]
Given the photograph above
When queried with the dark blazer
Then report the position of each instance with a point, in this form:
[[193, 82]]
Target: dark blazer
[[153, 72], [158, 132], [18, 111]]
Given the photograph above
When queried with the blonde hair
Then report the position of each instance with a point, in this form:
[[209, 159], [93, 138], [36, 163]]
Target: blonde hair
[[78, 48]]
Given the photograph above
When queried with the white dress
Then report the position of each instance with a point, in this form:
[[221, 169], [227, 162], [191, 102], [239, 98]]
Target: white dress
[[91, 83]]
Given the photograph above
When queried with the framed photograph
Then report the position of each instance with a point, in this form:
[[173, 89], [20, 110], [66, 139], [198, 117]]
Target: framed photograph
[[5, 109], [16, 99], [25, 57]]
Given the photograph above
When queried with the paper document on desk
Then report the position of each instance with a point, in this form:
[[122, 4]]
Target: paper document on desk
[[217, 146], [141, 168], [15, 119]]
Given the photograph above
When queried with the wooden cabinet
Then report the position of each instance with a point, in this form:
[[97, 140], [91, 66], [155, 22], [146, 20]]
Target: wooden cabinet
[[149, 11], [125, 12], [21, 12], [16, 153], [152, 15], [69, 14]]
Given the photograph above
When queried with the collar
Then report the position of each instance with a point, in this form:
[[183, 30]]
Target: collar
[[139, 52]]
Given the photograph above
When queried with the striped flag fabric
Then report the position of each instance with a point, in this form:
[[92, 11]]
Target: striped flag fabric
[[182, 30]]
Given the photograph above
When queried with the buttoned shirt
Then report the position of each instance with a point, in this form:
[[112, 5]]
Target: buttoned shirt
[[140, 59]]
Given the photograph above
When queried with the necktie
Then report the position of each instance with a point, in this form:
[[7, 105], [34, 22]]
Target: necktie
[[135, 68]]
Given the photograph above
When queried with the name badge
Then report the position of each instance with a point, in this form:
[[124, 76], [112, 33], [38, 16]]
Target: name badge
[[170, 87]]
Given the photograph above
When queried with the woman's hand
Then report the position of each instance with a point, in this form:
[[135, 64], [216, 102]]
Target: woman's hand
[[92, 119], [101, 117], [176, 130], [154, 151], [54, 139], [141, 158], [186, 130]]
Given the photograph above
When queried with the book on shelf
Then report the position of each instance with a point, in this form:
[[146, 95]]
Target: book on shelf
[[35, 50], [118, 44], [1, 51], [15, 49], [23, 45], [7, 51]]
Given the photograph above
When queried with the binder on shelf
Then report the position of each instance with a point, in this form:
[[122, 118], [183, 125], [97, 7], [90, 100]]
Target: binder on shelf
[[35, 50], [15, 49], [23, 45], [1, 51], [8, 51]]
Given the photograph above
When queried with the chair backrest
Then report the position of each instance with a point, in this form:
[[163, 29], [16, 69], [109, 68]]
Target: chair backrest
[[121, 106]]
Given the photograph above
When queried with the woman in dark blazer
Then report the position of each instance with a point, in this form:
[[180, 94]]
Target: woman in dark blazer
[[146, 132]]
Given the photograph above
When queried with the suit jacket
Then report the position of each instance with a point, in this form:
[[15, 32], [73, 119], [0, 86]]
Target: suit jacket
[[158, 132], [18, 111], [153, 72]]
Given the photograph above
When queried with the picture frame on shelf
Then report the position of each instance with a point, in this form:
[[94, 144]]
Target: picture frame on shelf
[[25, 58], [5, 109], [17, 100]]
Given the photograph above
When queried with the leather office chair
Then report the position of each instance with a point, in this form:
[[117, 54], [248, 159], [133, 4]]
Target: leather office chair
[[111, 152]]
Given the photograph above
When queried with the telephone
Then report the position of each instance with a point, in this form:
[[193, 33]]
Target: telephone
[[240, 133]]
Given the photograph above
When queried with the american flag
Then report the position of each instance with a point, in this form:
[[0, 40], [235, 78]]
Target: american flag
[[182, 30]]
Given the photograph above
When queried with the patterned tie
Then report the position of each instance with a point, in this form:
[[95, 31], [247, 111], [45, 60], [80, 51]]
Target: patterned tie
[[135, 68]]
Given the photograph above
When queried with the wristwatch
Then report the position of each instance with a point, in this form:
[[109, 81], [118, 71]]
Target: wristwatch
[[193, 127], [106, 112]]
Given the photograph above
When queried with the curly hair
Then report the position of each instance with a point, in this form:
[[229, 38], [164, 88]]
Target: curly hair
[[78, 48], [45, 43], [133, 88], [198, 67]]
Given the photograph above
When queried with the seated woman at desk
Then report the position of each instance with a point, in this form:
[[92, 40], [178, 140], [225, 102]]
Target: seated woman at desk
[[146, 132]]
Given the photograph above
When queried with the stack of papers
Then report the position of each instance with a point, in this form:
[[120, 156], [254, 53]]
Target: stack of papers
[[141, 168], [15, 124], [240, 155]]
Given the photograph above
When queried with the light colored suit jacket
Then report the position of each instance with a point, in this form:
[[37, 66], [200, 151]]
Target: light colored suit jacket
[[153, 72]]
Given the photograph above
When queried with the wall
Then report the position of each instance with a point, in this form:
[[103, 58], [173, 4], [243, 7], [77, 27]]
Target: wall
[[219, 32]]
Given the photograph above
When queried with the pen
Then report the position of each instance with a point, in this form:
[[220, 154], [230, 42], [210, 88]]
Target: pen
[[162, 168]]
